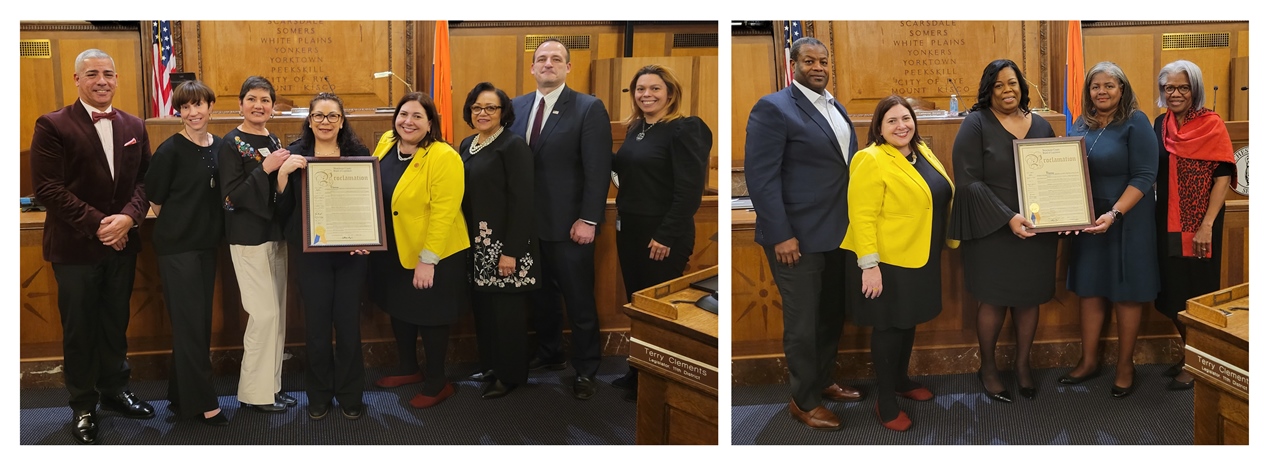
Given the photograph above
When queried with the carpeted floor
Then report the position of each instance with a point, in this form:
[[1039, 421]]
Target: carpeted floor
[[960, 413], [542, 412]]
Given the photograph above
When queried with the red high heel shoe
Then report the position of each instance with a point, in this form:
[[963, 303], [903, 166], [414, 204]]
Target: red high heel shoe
[[422, 401], [900, 424]]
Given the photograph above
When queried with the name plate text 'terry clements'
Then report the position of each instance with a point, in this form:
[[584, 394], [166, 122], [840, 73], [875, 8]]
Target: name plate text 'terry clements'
[[1232, 378], [693, 370]]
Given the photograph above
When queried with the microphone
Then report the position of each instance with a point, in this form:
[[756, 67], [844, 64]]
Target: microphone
[[1040, 93], [957, 90], [1215, 97]]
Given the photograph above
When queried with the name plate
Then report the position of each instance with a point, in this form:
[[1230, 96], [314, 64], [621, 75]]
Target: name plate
[[692, 370], [1229, 377]]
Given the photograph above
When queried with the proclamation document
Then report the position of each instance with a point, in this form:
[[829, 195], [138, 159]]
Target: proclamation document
[[343, 205], [1053, 187]]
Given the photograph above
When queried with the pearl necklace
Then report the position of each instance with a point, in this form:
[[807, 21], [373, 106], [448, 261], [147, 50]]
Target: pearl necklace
[[410, 157], [476, 145]]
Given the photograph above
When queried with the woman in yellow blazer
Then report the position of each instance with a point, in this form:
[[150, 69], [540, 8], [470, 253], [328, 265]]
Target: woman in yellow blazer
[[899, 201], [421, 280]]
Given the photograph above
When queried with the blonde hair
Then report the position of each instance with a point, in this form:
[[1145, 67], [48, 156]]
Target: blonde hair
[[673, 92]]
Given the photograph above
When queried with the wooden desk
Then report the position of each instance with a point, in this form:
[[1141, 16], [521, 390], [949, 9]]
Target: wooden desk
[[1218, 356], [674, 345]]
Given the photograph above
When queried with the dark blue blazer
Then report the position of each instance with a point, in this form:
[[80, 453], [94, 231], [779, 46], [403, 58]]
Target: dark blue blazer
[[573, 161], [796, 172]]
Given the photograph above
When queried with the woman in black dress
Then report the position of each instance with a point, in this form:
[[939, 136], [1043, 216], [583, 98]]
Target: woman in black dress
[[996, 235], [1195, 167], [181, 185], [421, 280], [330, 283], [899, 198], [661, 169], [498, 207], [249, 159]]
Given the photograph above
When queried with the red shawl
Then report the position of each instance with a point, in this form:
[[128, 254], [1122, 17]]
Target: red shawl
[[1197, 149]]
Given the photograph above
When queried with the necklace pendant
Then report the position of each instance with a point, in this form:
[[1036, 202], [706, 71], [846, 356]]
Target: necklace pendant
[[640, 136], [213, 183]]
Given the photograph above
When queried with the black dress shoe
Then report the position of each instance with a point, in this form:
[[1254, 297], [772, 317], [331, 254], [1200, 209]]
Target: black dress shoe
[[284, 398], [497, 389], [318, 411], [175, 409], [219, 419], [1174, 370], [1071, 379], [583, 387], [1028, 392], [485, 376], [1002, 396], [352, 413], [1122, 393], [126, 403], [538, 363], [629, 381], [84, 426], [1174, 385], [267, 408]]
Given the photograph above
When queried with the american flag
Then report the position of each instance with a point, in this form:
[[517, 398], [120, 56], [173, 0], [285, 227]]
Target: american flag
[[792, 32], [161, 98]]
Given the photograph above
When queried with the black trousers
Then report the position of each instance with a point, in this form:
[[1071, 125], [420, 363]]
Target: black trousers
[[814, 310], [637, 270], [93, 302], [567, 276], [501, 320], [330, 284], [189, 284]]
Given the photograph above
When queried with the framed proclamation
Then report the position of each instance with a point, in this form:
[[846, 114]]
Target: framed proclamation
[[342, 205], [1053, 187]]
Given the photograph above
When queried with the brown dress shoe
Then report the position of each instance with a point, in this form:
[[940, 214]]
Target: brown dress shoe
[[842, 394], [819, 418]]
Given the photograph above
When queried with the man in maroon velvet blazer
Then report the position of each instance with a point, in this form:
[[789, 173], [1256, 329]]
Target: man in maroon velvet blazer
[[88, 161]]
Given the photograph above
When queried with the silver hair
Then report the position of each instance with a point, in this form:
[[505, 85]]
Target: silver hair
[[1195, 82], [90, 54]]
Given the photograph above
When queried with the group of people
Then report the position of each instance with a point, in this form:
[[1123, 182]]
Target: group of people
[[862, 231], [504, 225]]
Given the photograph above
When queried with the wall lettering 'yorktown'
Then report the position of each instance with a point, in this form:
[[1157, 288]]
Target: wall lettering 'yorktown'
[[930, 52]]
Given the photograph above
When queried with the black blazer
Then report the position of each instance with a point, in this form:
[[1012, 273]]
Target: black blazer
[[796, 172], [72, 179], [573, 161], [498, 206]]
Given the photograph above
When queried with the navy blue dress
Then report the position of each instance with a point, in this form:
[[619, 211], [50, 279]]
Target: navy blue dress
[[1122, 263]]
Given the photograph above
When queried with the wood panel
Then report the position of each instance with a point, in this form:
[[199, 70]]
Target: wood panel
[[149, 330], [1216, 71], [1238, 98], [1235, 257], [300, 58], [752, 76], [49, 84]]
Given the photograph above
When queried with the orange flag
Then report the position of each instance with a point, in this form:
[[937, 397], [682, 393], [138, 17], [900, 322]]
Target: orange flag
[[1073, 75], [442, 82]]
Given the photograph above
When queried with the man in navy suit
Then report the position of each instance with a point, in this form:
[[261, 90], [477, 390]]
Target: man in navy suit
[[571, 138], [88, 161], [796, 151]]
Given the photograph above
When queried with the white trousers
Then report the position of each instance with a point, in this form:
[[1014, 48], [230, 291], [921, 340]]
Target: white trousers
[[261, 272]]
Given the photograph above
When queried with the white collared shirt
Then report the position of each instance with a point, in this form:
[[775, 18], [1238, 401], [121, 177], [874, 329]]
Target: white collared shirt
[[551, 98], [105, 131], [826, 105]]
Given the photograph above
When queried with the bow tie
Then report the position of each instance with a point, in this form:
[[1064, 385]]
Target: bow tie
[[97, 116]]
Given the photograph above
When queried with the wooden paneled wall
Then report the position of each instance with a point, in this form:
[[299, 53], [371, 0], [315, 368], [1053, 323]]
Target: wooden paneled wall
[[48, 84], [1137, 47], [149, 330]]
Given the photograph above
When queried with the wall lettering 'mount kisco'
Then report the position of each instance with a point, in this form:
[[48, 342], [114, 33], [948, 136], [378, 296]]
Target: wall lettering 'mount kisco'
[[928, 59], [300, 58]]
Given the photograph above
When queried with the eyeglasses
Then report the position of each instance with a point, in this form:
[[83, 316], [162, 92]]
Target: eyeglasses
[[1184, 90], [332, 117], [476, 109]]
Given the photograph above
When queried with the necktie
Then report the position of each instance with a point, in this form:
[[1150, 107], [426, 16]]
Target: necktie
[[537, 122], [97, 116]]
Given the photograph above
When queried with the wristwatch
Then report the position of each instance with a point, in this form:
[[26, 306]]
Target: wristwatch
[[1117, 215]]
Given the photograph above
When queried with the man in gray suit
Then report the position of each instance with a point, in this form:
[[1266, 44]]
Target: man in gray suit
[[796, 151]]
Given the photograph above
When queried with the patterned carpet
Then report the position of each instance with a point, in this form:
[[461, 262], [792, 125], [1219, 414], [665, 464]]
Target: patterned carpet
[[542, 412], [960, 413]]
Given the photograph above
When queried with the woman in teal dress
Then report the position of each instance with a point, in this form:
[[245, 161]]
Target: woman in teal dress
[[1114, 262]]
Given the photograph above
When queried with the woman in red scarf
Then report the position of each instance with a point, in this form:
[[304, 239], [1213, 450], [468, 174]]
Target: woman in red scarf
[[1194, 170]]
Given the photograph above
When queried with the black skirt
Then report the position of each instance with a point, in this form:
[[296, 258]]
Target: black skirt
[[392, 289]]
